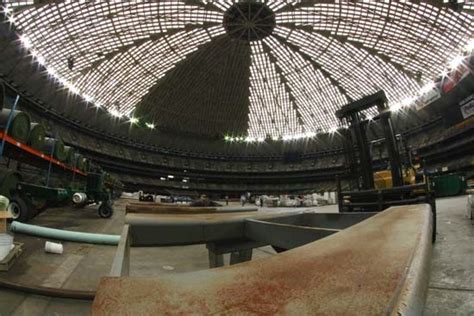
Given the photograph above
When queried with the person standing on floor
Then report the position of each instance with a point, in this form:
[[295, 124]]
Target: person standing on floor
[[243, 199], [226, 200]]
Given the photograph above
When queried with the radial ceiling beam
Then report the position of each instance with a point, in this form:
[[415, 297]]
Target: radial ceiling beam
[[315, 65], [136, 43], [284, 81], [207, 6], [309, 3], [37, 4], [345, 39]]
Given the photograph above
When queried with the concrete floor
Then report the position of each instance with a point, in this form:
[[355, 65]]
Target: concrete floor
[[451, 289]]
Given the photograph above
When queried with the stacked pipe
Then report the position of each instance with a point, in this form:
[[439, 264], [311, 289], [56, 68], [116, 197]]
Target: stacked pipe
[[55, 148], [19, 127], [9, 180], [37, 136], [69, 155]]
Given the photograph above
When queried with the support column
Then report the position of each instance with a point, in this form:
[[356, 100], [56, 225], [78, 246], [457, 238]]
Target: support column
[[241, 256]]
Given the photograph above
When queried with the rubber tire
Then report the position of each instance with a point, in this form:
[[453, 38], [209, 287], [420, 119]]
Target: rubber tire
[[106, 210], [22, 208]]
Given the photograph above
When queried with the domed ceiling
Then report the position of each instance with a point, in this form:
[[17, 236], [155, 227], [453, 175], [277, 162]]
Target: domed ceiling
[[256, 68]]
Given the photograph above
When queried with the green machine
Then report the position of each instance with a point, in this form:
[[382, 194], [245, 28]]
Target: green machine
[[27, 199], [97, 192], [449, 184]]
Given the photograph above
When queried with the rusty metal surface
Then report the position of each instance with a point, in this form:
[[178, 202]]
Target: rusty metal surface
[[372, 268]]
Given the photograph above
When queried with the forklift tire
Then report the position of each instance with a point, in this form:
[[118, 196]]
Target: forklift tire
[[19, 209], [106, 210]]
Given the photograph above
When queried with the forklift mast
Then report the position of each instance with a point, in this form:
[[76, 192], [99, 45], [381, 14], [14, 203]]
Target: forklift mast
[[360, 159]]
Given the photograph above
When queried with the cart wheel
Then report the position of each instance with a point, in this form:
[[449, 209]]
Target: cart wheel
[[19, 209], [105, 210]]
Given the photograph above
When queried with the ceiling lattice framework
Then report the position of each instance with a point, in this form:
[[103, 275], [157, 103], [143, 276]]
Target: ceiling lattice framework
[[314, 57]]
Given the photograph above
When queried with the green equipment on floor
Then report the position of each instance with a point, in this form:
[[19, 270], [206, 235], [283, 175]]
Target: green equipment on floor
[[18, 126], [449, 184]]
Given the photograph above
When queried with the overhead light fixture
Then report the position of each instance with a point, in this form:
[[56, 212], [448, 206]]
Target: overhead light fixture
[[458, 60], [470, 45], [170, 176], [249, 139], [133, 120], [88, 98], [72, 88], [150, 125], [25, 41], [115, 113], [40, 60], [7, 10], [396, 107], [51, 72], [427, 87], [408, 101]]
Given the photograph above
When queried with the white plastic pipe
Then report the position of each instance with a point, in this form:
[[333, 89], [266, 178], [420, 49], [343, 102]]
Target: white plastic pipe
[[64, 234], [53, 247]]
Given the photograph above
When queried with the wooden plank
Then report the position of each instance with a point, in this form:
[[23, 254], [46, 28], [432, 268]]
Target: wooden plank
[[12, 256], [3, 225]]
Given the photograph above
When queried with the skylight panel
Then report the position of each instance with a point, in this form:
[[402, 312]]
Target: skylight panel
[[303, 68]]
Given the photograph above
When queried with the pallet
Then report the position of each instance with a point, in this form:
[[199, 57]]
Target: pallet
[[10, 259]]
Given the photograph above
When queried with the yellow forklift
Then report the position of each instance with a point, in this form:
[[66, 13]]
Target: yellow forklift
[[410, 172]]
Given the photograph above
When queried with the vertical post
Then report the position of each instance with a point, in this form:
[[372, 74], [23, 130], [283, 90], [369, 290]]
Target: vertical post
[[10, 116], [216, 259], [349, 157], [339, 194], [365, 167], [392, 148], [121, 263], [380, 200], [50, 163], [240, 256], [431, 200]]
